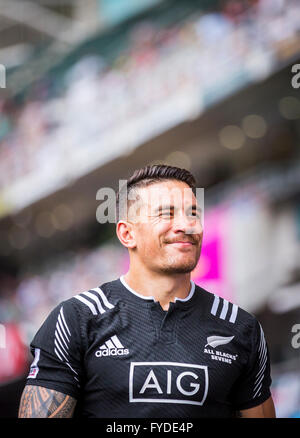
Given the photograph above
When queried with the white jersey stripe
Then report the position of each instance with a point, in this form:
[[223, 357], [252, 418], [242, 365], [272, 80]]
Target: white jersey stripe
[[117, 342], [224, 309], [59, 341], [64, 321], [72, 370], [262, 346], [62, 338], [87, 303], [263, 354], [59, 349], [57, 354], [263, 357], [262, 367], [256, 393], [96, 299], [261, 372], [261, 343], [233, 313], [105, 300], [258, 383], [57, 346], [62, 327], [215, 305]]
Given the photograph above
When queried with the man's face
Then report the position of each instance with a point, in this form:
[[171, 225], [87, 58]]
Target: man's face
[[167, 227]]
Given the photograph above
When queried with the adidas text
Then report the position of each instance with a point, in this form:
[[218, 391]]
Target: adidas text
[[112, 352]]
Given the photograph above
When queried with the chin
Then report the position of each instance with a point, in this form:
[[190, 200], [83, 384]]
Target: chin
[[177, 270], [182, 268]]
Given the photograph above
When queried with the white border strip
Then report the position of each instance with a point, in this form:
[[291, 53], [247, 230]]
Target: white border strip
[[153, 400]]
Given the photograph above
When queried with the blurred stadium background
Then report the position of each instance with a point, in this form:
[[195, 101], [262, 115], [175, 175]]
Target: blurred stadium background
[[97, 88]]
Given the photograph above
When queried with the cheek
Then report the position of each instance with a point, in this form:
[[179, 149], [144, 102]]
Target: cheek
[[145, 237], [162, 228], [151, 237]]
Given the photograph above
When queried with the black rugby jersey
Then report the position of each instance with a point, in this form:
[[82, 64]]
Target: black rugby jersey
[[121, 355]]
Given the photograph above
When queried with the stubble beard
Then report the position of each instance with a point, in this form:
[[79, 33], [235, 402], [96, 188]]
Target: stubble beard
[[175, 266]]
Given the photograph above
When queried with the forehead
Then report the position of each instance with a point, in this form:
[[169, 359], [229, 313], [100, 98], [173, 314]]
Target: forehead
[[170, 192]]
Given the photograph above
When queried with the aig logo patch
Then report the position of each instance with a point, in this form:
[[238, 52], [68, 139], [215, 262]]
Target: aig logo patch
[[168, 382]]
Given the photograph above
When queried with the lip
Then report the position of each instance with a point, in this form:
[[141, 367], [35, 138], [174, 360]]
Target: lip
[[182, 244]]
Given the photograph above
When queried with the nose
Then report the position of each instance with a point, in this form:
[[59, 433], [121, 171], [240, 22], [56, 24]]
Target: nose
[[187, 224]]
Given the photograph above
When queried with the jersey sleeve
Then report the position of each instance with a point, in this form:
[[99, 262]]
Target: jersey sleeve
[[253, 387], [57, 352]]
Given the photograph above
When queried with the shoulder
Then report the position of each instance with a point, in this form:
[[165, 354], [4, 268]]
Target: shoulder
[[92, 302], [225, 318], [81, 307], [226, 312]]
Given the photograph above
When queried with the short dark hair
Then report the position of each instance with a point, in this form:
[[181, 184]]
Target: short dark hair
[[153, 174]]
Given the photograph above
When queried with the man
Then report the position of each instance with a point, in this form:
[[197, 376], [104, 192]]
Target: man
[[151, 343]]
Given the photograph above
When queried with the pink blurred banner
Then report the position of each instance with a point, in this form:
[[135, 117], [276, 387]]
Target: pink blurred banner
[[13, 355], [211, 272]]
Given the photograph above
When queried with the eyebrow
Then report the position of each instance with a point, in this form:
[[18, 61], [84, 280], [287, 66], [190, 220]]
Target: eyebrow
[[172, 207]]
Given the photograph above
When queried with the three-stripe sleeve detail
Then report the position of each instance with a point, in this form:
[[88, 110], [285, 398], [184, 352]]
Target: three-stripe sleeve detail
[[103, 297], [95, 300], [262, 359], [233, 313], [87, 303], [224, 309], [215, 305], [62, 337]]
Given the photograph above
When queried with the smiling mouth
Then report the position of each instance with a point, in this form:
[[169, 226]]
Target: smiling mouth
[[179, 243]]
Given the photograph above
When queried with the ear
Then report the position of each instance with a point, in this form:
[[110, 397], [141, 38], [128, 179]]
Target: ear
[[125, 233]]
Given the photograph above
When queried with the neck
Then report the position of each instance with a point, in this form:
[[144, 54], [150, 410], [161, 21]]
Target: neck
[[163, 287]]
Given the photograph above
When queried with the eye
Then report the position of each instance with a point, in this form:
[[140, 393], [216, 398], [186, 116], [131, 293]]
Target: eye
[[195, 213], [166, 214]]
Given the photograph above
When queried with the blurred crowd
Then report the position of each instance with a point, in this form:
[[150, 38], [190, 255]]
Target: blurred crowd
[[198, 59], [28, 300], [195, 58]]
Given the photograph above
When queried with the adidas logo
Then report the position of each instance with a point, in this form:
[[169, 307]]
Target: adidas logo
[[112, 347]]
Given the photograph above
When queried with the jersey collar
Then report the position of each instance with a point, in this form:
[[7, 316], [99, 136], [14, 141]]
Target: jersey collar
[[152, 299]]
